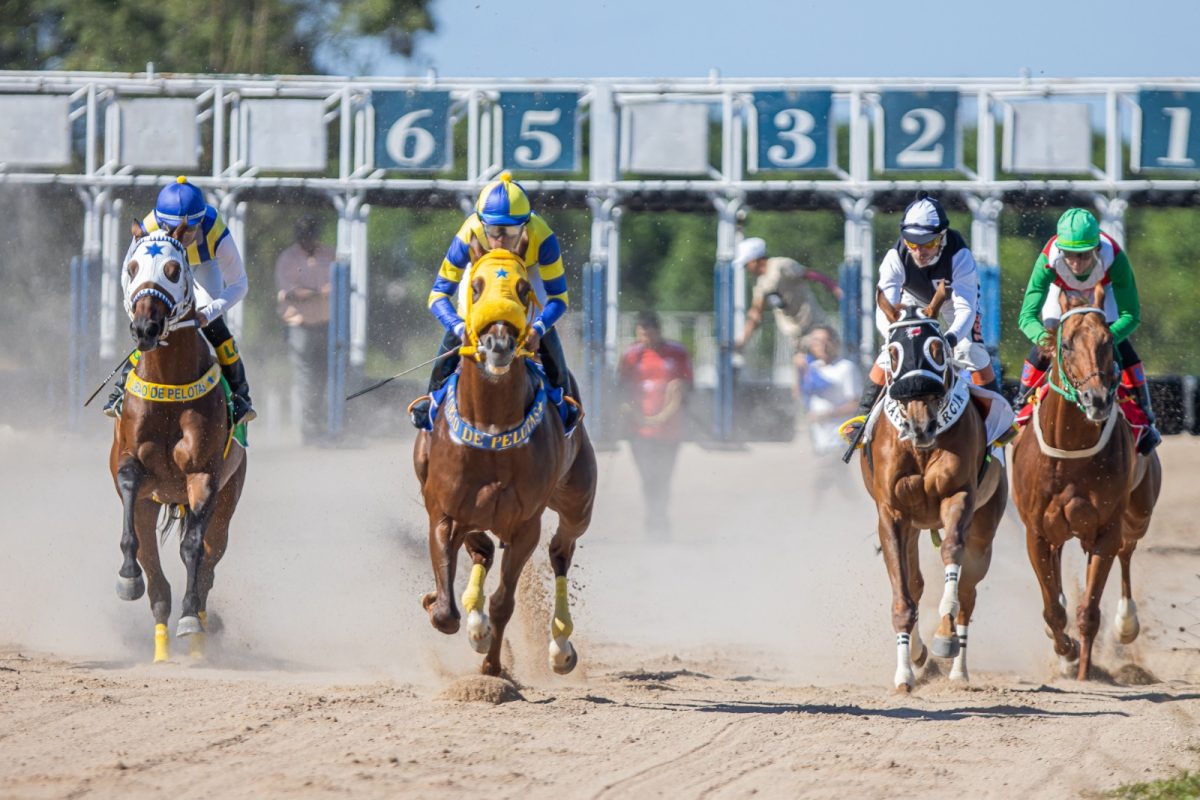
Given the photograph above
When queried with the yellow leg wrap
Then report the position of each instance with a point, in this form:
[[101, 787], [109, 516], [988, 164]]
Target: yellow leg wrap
[[561, 626], [197, 641], [472, 599], [227, 352], [161, 644]]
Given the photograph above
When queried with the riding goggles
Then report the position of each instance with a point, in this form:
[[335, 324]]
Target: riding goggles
[[503, 231], [928, 247]]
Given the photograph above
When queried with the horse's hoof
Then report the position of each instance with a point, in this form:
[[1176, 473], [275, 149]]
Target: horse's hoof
[[188, 626], [959, 675], [903, 688], [563, 657], [1125, 625], [919, 660], [130, 588], [428, 599], [945, 646], [479, 632]]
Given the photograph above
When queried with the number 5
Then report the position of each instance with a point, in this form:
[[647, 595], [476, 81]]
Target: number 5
[[549, 148]]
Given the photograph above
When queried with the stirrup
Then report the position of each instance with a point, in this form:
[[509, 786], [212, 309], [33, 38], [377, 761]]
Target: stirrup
[[421, 423], [1007, 436], [849, 429]]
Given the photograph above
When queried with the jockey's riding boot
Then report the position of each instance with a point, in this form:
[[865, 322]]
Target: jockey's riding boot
[[1031, 376], [418, 412], [871, 391], [1151, 438], [555, 364], [116, 398], [219, 336]]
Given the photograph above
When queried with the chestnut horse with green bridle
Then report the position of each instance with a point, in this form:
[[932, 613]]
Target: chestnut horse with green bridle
[[1077, 474], [496, 459]]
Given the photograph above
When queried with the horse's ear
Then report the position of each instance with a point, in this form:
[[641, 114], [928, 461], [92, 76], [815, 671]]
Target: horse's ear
[[1064, 301], [1098, 296], [939, 297], [136, 230], [476, 289], [523, 288], [886, 307]]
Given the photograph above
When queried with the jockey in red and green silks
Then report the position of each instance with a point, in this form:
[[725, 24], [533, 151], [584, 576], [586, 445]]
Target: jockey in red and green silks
[[1076, 260]]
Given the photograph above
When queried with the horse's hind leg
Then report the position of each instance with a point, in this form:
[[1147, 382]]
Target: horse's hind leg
[[216, 539], [202, 502], [479, 628], [956, 515], [573, 503], [1135, 525], [444, 541], [504, 598], [918, 652], [977, 557]]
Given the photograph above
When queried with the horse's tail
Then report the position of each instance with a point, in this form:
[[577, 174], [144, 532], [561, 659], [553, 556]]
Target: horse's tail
[[171, 519]]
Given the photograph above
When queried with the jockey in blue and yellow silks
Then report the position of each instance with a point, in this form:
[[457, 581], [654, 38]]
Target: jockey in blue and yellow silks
[[220, 277], [503, 219]]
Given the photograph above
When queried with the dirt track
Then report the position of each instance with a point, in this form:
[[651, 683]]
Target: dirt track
[[750, 655]]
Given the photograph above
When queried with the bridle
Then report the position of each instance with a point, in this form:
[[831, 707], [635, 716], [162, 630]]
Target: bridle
[[1069, 388], [177, 308]]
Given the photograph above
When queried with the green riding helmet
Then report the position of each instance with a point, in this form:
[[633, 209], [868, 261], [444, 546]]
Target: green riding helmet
[[1078, 231]]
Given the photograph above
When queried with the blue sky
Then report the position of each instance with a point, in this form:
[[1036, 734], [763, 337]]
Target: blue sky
[[789, 38]]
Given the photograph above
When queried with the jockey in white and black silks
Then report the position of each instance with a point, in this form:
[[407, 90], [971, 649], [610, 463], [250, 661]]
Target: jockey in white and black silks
[[927, 253], [504, 219], [220, 277], [1078, 258]]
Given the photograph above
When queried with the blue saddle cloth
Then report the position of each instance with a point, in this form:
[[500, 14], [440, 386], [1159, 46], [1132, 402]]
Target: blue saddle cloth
[[445, 397]]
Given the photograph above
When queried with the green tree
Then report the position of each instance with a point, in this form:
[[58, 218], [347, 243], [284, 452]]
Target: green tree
[[218, 36]]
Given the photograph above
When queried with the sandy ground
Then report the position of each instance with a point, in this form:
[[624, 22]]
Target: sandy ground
[[751, 654]]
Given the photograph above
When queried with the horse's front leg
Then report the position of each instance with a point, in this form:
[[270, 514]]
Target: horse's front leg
[[504, 599], [479, 628], [893, 543], [957, 511], [1125, 625], [1047, 566], [130, 475], [444, 541], [1088, 613], [202, 500], [563, 656]]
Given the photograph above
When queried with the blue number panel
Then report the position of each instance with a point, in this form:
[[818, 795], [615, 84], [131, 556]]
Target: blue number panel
[[540, 131], [1170, 131], [919, 131], [412, 130], [793, 131]]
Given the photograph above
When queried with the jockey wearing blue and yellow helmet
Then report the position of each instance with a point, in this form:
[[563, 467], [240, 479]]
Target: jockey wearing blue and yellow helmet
[[504, 219], [220, 276]]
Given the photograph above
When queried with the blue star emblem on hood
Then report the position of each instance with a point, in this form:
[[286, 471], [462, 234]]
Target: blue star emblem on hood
[[502, 273], [155, 249]]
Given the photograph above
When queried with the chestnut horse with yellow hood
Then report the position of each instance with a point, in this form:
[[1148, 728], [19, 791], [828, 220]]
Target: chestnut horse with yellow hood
[[494, 461]]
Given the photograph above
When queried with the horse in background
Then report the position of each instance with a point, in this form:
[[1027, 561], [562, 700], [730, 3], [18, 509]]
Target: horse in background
[[927, 468], [173, 445], [495, 461], [1079, 476]]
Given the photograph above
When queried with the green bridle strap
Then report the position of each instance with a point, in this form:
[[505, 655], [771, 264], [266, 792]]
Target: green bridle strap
[[1067, 390]]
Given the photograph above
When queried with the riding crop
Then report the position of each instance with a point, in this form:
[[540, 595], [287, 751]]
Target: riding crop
[[120, 364], [375, 386]]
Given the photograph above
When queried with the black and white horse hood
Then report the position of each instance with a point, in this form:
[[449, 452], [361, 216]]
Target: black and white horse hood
[[917, 356]]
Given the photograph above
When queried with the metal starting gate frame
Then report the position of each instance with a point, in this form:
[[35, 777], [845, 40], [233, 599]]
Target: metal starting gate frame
[[391, 141]]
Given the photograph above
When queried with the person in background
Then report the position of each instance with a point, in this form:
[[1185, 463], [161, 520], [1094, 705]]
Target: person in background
[[302, 280], [782, 285], [657, 377], [829, 386]]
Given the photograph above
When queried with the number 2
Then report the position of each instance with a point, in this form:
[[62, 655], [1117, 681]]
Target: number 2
[[929, 125]]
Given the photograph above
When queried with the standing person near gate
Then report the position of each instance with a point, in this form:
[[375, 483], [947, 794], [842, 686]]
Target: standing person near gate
[[504, 219], [302, 282], [782, 284], [1078, 258], [221, 283], [928, 252], [656, 375]]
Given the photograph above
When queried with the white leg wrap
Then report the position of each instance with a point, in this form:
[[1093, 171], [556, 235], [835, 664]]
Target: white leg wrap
[[949, 604], [904, 670], [958, 670], [479, 631], [1126, 626]]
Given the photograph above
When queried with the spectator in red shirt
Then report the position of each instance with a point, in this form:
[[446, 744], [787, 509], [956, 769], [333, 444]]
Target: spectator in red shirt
[[657, 374]]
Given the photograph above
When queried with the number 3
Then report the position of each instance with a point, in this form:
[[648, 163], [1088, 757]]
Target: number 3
[[793, 125]]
